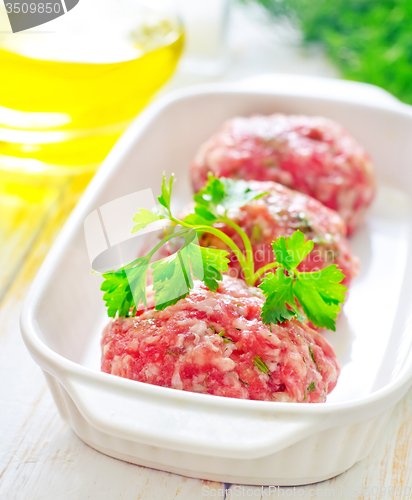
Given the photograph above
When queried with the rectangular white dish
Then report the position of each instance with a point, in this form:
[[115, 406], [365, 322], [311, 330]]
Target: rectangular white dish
[[248, 442]]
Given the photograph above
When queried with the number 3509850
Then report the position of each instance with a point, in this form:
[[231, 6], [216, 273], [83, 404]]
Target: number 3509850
[[33, 8]]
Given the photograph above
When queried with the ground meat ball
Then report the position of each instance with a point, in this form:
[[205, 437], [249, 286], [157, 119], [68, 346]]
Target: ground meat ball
[[311, 154], [279, 213], [180, 347]]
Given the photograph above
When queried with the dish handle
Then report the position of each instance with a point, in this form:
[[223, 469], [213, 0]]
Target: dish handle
[[187, 422]]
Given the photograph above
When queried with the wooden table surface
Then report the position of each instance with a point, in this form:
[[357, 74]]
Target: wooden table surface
[[40, 457]]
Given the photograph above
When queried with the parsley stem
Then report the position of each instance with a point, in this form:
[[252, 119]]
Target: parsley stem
[[248, 246], [165, 240], [263, 270], [182, 264], [229, 242], [232, 245]]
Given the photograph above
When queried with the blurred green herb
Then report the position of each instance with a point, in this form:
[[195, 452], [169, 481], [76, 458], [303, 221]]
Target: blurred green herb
[[368, 40]]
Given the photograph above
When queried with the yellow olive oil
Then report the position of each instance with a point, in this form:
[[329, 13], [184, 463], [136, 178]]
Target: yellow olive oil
[[64, 100]]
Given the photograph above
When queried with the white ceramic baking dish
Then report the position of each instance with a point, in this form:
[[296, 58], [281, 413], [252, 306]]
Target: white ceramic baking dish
[[249, 442]]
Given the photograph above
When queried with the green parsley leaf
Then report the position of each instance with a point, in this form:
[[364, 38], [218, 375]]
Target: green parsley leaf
[[238, 193], [218, 196], [261, 365], [166, 195], [214, 262], [144, 218], [201, 217], [206, 264], [328, 283], [118, 296], [171, 281], [278, 290], [173, 276], [126, 287], [320, 294], [291, 251], [209, 198]]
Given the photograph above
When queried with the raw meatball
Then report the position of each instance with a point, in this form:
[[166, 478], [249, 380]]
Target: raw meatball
[[279, 213], [311, 154], [211, 343]]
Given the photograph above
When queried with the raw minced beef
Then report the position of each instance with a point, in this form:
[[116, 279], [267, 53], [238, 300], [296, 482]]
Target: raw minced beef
[[279, 213], [311, 154], [211, 342]]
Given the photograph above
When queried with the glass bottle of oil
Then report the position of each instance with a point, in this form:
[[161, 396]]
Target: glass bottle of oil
[[69, 88]]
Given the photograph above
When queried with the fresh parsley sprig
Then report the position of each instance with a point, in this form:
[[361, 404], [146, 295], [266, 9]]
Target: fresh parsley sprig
[[319, 293], [289, 293]]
